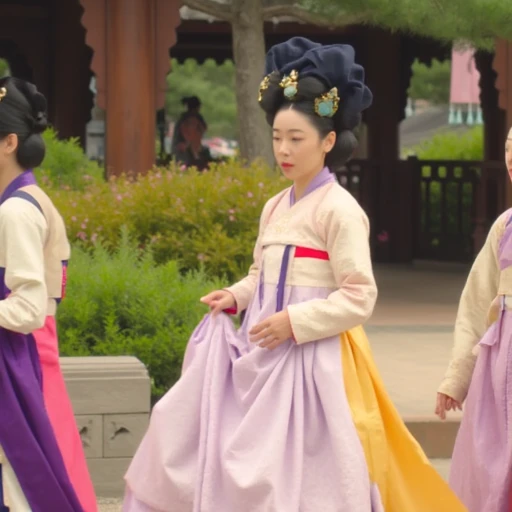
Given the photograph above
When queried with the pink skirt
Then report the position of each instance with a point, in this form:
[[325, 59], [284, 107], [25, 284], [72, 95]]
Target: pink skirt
[[61, 415]]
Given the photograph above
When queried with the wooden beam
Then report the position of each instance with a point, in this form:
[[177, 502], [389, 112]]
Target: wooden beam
[[23, 11], [285, 28]]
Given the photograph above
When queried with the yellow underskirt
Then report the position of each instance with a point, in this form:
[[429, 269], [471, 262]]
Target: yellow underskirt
[[406, 480]]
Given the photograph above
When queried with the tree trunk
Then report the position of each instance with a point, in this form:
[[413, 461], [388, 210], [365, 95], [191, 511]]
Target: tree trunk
[[249, 56]]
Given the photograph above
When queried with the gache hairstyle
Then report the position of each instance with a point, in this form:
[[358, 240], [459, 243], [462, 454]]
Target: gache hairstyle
[[309, 89], [23, 111], [324, 84]]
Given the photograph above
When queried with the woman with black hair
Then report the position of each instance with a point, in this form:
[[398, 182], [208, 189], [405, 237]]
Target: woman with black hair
[[42, 463], [194, 153], [179, 142], [288, 414]]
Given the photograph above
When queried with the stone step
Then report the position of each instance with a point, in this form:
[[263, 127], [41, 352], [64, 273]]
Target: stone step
[[442, 466], [435, 437]]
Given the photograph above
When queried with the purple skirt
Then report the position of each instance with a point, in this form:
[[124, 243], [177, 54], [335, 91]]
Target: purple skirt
[[482, 459]]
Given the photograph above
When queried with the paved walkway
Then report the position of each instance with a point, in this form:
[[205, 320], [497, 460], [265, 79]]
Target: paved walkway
[[411, 331], [114, 505], [411, 337]]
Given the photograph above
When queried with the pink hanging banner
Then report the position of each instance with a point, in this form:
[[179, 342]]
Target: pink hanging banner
[[465, 77]]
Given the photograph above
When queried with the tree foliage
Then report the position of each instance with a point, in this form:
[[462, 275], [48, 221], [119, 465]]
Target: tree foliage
[[477, 21], [431, 83]]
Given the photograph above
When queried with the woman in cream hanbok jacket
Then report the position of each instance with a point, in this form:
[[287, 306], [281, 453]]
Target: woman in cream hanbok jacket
[[480, 374], [288, 413]]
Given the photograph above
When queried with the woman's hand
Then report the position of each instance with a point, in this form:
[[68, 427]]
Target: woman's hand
[[218, 301], [273, 331], [446, 403]]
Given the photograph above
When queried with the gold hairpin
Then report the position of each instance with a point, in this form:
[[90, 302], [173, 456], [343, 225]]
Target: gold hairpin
[[3, 93], [263, 87], [327, 104], [289, 84]]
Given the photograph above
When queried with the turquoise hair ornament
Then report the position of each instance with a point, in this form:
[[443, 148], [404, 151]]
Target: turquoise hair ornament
[[289, 84], [327, 104]]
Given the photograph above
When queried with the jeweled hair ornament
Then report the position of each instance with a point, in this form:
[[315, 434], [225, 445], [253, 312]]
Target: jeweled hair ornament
[[263, 87], [290, 83], [334, 65], [327, 104]]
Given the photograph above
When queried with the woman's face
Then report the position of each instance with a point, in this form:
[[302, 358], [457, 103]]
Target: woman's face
[[508, 153], [192, 130], [298, 147]]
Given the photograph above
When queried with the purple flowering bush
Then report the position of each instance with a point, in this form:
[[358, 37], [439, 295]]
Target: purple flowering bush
[[200, 220]]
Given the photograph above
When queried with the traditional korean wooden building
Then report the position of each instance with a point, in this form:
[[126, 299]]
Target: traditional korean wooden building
[[126, 44]]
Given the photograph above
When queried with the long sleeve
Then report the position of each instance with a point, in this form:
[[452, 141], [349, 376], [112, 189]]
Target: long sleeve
[[245, 289], [346, 233], [479, 292], [22, 234]]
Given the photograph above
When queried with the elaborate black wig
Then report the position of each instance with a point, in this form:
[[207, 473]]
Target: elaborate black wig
[[23, 112], [319, 69]]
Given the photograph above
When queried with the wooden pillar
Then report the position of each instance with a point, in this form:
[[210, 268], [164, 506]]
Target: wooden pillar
[[383, 69], [383, 74], [494, 117], [503, 66], [131, 41], [70, 97], [490, 196], [130, 93]]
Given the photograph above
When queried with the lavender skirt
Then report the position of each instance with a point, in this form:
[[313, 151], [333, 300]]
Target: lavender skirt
[[482, 459]]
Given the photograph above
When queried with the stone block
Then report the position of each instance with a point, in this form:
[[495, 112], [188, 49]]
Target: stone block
[[123, 433], [108, 476], [111, 399], [91, 432], [107, 385]]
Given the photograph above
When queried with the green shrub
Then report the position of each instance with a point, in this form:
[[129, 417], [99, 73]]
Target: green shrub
[[197, 219], [66, 164], [452, 146], [122, 303]]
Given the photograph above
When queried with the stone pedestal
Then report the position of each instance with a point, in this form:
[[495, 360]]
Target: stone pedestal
[[111, 401]]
